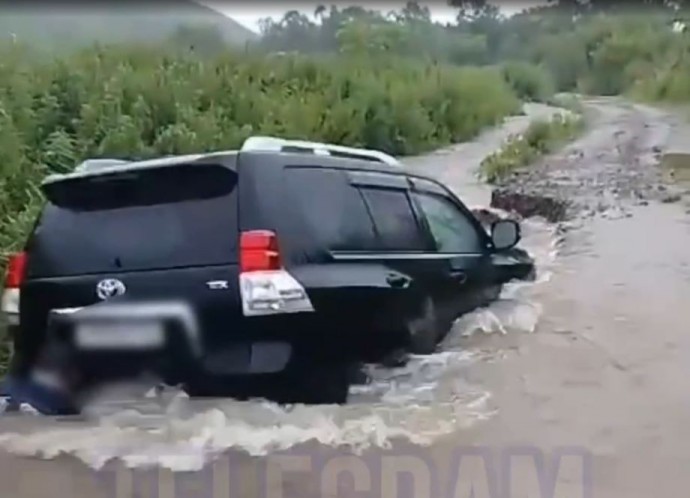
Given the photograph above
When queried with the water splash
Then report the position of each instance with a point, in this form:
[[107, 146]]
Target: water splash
[[518, 308], [420, 402]]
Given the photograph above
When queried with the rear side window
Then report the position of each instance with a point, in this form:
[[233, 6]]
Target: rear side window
[[394, 219], [157, 219], [332, 208]]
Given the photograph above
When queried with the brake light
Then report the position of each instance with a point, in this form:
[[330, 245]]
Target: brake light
[[259, 251], [16, 267], [14, 277], [266, 288]]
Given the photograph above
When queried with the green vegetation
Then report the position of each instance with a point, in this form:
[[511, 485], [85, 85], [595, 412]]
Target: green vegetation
[[569, 101], [540, 138], [602, 48], [595, 47], [530, 82], [136, 102]]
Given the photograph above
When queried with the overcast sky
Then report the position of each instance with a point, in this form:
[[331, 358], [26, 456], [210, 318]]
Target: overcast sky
[[249, 15]]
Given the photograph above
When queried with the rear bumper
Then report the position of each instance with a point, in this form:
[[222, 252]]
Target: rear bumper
[[264, 345]]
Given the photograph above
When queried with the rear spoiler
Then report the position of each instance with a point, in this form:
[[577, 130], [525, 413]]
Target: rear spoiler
[[94, 168]]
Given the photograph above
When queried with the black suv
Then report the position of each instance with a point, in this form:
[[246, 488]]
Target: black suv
[[273, 259]]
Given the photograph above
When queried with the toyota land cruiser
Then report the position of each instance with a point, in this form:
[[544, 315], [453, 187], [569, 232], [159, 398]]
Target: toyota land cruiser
[[290, 258]]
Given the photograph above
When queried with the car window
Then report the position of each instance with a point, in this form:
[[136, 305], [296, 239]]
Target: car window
[[332, 208], [394, 219], [453, 230], [153, 219]]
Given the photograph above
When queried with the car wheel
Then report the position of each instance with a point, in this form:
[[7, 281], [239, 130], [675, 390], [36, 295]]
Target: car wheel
[[423, 330]]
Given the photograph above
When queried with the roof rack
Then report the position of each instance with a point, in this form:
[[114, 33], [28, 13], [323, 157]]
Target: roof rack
[[274, 144], [96, 164]]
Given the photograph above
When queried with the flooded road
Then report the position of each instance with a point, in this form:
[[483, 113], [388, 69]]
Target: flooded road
[[592, 358]]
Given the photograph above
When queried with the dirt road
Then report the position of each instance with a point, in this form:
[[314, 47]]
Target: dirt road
[[601, 381], [606, 370]]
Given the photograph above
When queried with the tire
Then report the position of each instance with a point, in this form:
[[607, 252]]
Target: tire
[[423, 331]]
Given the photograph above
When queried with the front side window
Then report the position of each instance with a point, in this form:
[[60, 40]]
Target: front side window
[[452, 229]]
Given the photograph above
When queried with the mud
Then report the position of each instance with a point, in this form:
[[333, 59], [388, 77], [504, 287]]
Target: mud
[[614, 166], [530, 204], [591, 358]]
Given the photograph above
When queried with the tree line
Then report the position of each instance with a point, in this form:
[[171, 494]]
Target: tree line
[[599, 47]]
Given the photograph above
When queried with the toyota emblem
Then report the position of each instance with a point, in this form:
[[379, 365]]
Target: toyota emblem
[[110, 287]]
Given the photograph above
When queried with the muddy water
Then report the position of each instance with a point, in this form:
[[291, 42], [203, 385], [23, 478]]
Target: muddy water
[[603, 370], [606, 370]]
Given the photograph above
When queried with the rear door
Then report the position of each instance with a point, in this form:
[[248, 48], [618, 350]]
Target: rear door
[[164, 233], [460, 242]]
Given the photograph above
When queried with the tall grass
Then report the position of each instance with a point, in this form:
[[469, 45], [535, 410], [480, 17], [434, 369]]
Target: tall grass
[[529, 81], [540, 138], [143, 101]]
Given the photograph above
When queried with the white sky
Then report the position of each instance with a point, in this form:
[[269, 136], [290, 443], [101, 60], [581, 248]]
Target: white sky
[[249, 15]]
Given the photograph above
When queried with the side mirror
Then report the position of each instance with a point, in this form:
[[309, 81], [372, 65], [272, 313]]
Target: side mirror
[[505, 234]]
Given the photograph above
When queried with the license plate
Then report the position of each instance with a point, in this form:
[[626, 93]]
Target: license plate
[[133, 336]]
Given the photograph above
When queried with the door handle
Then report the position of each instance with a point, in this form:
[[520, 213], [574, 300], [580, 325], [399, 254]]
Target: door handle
[[459, 276], [398, 281]]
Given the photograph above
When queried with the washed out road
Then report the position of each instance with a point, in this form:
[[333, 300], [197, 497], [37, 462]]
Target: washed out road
[[600, 376]]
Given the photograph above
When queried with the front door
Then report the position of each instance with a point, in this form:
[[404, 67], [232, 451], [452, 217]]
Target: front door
[[461, 242]]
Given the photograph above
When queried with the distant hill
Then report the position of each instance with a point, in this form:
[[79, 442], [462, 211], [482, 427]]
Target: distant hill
[[66, 24]]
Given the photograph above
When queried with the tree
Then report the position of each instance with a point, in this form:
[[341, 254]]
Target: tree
[[413, 12], [470, 9], [591, 6], [294, 32]]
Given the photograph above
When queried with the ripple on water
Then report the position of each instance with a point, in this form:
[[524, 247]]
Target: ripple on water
[[420, 402]]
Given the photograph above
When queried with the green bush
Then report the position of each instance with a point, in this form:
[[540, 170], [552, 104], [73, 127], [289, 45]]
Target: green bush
[[143, 101], [528, 81], [669, 83], [541, 137], [567, 101]]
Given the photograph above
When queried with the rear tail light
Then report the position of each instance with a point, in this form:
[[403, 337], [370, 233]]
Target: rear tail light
[[266, 287], [259, 251], [14, 277], [16, 266]]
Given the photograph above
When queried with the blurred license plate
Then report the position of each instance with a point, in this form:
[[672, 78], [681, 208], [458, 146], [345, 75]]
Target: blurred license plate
[[144, 335]]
